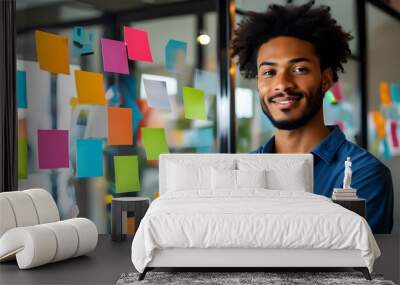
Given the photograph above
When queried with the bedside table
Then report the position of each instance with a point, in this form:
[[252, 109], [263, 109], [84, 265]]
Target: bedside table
[[121, 209], [357, 205]]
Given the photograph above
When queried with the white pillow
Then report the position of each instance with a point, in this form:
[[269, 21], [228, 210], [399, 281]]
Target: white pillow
[[227, 179], [181, 177], [281, 174], [251, 178], [293, 179], [186, 175], [223, 179]]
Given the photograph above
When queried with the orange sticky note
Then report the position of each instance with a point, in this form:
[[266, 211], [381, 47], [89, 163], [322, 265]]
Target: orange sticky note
[[130, 224], [120, 126], [52, 52], [384, 94], [379, 122], [90, 87]]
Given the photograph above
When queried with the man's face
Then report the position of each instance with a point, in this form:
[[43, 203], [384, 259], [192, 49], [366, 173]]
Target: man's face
[[289, 82]]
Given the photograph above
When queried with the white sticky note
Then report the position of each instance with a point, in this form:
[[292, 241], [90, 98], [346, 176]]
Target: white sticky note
[[244, 102], [207, 81], [97, 123], [157, 96]]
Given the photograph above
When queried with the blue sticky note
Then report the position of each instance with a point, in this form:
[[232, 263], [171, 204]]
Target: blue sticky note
[[89, 158], [175, 55], [82, 42], [136, 116], [207, 81], [386, 150], [394, 91], [200, 138], [204, 149], [127, 88], [206, 136], [21, 89]]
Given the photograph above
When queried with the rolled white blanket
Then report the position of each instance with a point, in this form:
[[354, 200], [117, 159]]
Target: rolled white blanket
[[87, 235], [23, 209], [26, 208], [40, 244], [7, 218], [45, 206]]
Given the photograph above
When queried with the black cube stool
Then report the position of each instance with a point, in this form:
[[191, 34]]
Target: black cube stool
[[131, 205]]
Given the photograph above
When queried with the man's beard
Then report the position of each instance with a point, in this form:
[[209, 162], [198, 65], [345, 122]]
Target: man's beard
[[313, 106]]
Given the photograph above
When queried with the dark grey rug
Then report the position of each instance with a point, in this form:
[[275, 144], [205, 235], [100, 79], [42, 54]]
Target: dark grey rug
[[229, 278]]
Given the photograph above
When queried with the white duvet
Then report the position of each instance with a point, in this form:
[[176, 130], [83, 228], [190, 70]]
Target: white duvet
[[253, 218]]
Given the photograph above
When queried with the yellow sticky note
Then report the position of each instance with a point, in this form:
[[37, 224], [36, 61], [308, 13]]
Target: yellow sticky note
[[73, 102], [52, 52], [90, 87], [108, 199]]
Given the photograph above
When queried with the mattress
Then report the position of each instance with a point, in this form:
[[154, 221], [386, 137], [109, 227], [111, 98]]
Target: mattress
[[250, 219]]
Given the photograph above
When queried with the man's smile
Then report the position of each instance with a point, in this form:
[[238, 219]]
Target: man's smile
[[285, 102]]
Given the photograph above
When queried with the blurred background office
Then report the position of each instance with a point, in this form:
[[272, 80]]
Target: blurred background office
[[365, 103]]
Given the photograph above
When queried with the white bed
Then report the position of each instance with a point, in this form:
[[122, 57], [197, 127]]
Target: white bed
[[226, 226]]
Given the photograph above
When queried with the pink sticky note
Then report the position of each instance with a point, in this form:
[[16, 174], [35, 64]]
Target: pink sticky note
[[53, 149], [337, 92], [114, 56], [340, 124], [138, 44], [393, 132]]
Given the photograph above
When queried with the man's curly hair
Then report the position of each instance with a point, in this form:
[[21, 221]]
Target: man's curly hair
[[308, 23]]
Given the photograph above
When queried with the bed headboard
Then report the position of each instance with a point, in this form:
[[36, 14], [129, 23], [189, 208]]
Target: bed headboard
[[212, 158]]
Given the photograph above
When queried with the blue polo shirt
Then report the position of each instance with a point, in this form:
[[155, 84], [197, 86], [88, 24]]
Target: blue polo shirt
[[371, 178]]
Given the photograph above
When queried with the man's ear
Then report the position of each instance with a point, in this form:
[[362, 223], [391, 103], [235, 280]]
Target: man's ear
[[327, 79]]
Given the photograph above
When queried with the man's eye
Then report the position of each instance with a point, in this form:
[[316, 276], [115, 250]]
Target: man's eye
[[268, 73], [300, 69]]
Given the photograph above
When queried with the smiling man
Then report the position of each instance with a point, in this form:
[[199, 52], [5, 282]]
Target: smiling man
[[295, 53]]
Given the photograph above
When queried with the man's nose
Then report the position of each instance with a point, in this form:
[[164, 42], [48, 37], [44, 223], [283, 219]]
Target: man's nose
[[283, 82]]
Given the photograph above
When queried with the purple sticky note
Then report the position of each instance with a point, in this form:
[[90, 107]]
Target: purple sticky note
[[53, 149], [114, 56]]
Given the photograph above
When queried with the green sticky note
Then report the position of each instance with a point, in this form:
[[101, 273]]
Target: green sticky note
[[154, 142], [126, 174], [331, 97], [194, 104], [22, 158]]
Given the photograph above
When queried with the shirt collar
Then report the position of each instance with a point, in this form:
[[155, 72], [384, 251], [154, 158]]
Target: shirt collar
[[329, 145], [325, 150]]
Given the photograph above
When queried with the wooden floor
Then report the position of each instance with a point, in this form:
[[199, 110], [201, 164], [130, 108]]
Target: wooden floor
[[110, 259]]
